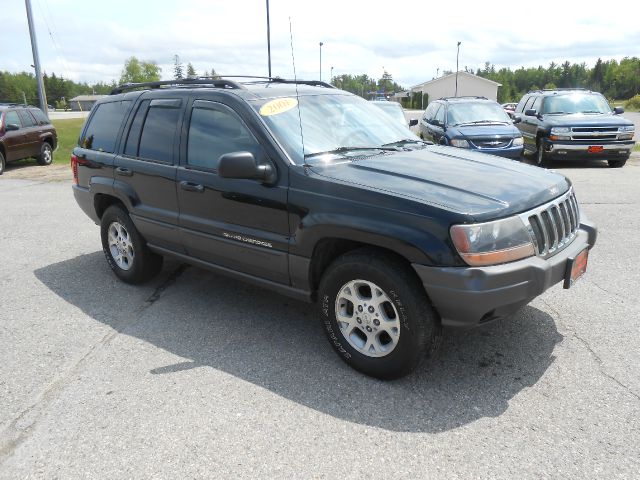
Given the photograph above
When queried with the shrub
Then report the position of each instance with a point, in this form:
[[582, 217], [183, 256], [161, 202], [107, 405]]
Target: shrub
[[633, 103]]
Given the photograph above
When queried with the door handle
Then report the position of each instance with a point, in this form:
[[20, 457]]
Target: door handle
[[125, 172], [191, 187]]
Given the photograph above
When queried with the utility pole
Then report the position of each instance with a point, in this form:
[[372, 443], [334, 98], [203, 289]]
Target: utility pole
[[268, 39], [457, 56], [36, 59], [321, 60]]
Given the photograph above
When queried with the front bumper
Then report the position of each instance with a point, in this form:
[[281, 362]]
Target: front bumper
[[469, 296], [514, 153], [558, 150]]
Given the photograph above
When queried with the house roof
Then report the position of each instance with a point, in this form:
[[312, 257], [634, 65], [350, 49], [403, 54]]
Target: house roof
[[460, 74], [87, 98]]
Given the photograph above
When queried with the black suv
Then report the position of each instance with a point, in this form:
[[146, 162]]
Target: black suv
[[25, 132], [476, 123], [574, 124], [315, 193]]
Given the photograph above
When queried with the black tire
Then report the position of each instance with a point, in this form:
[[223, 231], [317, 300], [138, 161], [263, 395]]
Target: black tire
[[3, 163], [46, 154], [144, 264], [419, 332], [541, 160], [617, 163]]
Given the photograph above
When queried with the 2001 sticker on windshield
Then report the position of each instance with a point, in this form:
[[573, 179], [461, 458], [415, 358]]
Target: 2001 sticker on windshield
[[277, 106]]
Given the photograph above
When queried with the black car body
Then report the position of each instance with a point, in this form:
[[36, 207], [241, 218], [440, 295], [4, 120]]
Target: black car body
[[25, 132], [574, 124], [219, 176], [475, 123]]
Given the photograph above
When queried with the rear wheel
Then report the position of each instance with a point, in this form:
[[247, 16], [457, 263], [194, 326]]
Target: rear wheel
[[126, 251], [46, 154], [376, 314], [617, 163]]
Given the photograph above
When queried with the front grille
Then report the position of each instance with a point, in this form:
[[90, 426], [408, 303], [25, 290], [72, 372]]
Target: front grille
[[594, 133], [491, 142], [553, 226], [594, 129]]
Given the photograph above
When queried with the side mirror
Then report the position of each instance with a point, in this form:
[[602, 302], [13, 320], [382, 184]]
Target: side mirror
[[530, 112], [618, 110], [244, 165], [413, 123], [11, 126], [516, 119]]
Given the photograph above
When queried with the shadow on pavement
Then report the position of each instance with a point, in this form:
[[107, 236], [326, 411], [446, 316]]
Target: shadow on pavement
[[278, 344]]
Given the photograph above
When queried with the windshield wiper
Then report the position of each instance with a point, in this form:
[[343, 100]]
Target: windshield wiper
[[400, 143], [590, 111], [557, 113], [348, 149], [478, 121]]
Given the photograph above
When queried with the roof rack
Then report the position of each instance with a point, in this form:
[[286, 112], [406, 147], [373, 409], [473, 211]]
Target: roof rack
[[219, 82], [200, 81], [465, 96], [559, 90]]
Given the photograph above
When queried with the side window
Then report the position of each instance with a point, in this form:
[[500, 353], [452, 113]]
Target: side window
[[40, 117], [536, 104], [521, 104], [530, 102], [27, 119], [214, 131], [159, 130], [430, 111], [133, 139], [440, 114], [12, 117], [102, 131]]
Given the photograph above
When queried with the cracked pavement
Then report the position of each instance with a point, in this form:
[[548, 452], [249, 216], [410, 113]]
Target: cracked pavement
[[195, 375]]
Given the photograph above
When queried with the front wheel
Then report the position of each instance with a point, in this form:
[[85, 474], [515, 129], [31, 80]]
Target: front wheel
[[617, 163], [376, 314], [541, 160], [3, 163], [124, 248]]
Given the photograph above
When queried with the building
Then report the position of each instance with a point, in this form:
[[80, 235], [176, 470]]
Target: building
[[445, 86], [84, 103]]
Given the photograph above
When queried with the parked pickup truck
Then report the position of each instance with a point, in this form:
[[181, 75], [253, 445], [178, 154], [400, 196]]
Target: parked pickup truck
[[315, 193], [574, 124]]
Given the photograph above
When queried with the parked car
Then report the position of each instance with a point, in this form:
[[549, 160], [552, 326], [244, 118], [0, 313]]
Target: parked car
[[509, 108], [474, 123], [574, 124], [315, 193], [25, 132], [395, 110]]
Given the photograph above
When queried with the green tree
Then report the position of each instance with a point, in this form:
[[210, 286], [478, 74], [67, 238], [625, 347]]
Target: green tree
[[135, 71], [177, 68], [191, 72]]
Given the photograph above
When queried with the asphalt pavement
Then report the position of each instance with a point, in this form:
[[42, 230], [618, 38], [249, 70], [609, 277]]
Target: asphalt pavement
[[194, 375]]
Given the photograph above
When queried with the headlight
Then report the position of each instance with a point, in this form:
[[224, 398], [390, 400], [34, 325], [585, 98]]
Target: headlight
[[558, 130], [627, 128], [626, 132], [518, 141], [460, 143], [492, 243]]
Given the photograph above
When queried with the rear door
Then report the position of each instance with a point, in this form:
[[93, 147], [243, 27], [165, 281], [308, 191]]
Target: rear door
[[235, 223], [437, 127], [14, 140], [31, 132], [145, 172], [529, 125]]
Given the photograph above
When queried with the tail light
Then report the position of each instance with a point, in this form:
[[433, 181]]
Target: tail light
[[74, 168]]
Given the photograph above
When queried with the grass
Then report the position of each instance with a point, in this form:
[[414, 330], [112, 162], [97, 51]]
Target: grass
[[636, 147], [68, 133]]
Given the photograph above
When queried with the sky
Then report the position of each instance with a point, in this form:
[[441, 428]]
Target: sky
[[89, 41]]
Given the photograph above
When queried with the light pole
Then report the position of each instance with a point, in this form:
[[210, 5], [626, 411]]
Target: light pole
[[268, 39], [331, 79], [457, 57], [321, 60]]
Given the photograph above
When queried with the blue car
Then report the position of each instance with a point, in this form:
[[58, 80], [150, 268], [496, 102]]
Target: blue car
[[475, 123]]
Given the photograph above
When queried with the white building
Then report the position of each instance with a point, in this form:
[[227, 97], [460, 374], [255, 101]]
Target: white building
[[468, 85]]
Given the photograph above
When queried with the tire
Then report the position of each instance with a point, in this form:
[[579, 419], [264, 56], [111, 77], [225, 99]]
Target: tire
[[617, 163], [356, 329], [3, 163], [124, 248], [46, 154], [541, 161]]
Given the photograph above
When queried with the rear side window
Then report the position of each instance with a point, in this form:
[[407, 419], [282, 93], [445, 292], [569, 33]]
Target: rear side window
[[27, 119], [11, 117], [520, 106], [40, 117], [158, 122], [102, 131], [214, 131]]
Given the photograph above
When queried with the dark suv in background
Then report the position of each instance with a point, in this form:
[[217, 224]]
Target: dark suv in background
[[574, 124], [476, 123], [316, 193], [25, 132]]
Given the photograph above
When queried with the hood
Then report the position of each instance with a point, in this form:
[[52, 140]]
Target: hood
[[485, 131], [587, 120], [482, 186]]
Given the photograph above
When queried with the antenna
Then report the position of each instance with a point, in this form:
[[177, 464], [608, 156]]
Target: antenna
[[295, 77]]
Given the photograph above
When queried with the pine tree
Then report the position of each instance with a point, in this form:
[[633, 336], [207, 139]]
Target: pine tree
[[191, 72], [177, 68]]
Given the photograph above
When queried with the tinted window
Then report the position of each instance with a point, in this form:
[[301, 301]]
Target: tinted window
[[27, 119], [40, 117], [12, 117], [214, 132], [102, 132], [133, 139], [158, 133]]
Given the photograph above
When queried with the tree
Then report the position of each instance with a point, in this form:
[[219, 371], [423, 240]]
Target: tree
[[136, 71], [177, 68], [191, 72]]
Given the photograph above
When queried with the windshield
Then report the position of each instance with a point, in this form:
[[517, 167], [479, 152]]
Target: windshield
[[341, 122], [576, 103], [476, 112], [393, 109]]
